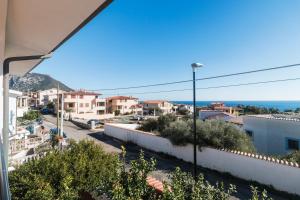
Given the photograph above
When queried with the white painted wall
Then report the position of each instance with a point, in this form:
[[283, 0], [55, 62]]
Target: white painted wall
[[269, 135], [282, 177]]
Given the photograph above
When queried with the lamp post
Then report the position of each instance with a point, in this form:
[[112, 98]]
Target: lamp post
[[194, 67]]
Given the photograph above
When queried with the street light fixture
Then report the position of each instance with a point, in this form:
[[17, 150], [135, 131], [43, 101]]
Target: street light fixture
[[195, 66]]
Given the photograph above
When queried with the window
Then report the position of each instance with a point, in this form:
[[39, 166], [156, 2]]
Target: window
[[292, 144], [249, 133], [100, 112], [81, 105], [87, 105], [119, 107], [71, 105], [100, 103], [73, 96], [81, 96]]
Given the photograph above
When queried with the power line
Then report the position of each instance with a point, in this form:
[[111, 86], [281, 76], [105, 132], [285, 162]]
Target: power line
[[211, 87], [201, 79]]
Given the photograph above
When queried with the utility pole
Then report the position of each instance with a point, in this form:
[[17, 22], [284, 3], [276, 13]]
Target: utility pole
[[62, 115], [57, 109], [194, 67]]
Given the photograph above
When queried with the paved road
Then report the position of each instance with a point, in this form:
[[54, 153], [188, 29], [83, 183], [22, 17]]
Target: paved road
[[165, 164]]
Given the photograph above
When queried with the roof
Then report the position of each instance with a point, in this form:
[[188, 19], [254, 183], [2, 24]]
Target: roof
[[154, 101], [82, 92], [136, 106], [121, 98], [37, 28], [295, 118]]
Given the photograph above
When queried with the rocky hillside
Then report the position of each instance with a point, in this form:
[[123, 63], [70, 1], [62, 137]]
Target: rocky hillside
[[34, 82]]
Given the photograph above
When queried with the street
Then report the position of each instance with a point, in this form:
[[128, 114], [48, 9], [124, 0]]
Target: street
[[165, 164]]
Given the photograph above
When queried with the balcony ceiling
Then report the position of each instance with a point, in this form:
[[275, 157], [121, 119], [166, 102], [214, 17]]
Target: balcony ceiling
[[39, 27]]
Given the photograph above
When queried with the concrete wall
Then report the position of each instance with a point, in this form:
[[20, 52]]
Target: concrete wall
[[270, 135], [283, 177]]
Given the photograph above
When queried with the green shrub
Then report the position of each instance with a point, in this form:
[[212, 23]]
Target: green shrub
[[184, 187], [149, 125], [132, 183], [117, 112], [292, 157], [214, 133], [31, 115], [179, 132], [83, 167], [164, 120]]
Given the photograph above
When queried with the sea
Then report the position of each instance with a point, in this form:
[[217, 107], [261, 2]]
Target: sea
[[281, 105]]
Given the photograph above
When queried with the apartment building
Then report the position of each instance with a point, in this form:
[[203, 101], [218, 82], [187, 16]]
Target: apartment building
[[22, 105], [80, 102], [47, 96], [151, 106], [100, 108], [220, 106], [124, 104], [33, 98], [273, 134]]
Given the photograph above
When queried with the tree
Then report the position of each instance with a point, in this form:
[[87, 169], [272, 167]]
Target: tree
[[149, 125], [31, 115], [117, 112], [83, 167]]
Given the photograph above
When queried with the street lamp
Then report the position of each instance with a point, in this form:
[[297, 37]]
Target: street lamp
[[195, 66]]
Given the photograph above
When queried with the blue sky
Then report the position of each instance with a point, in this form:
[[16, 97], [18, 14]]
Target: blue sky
[[136, 42]]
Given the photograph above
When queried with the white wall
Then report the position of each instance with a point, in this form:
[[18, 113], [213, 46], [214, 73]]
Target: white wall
[[270, 135], [282, 177]]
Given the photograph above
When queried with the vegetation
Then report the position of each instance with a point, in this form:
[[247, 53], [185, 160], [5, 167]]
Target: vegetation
[[50, 105], [117, 112], [31, 115], [214, 133], [292, 157], [84, 168], [248, 110]]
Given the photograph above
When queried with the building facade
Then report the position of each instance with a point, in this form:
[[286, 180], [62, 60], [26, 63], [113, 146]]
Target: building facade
[[123, 104], [80, 102], [273, 134], [158, 106], [22, 105]]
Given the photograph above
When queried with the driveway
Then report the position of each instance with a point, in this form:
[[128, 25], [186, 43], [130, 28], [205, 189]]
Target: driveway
[[165, 164]]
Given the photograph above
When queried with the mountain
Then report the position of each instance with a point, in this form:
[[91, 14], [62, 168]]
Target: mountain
[[35, 82]]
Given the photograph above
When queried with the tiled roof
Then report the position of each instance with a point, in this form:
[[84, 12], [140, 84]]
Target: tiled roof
[[121, 98], [82, 92], [136, 106], [154, 101], [277, 117]]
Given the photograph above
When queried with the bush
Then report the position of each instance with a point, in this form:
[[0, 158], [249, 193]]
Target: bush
[[214, 133], [184, 187], [83, 167], [178, 132], [132, 184], [220, 134], [31, 115], [149, 125], [117, 112], [292, 157], [164, 120]]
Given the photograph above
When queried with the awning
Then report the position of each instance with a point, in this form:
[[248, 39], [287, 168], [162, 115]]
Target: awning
[[39, 27]]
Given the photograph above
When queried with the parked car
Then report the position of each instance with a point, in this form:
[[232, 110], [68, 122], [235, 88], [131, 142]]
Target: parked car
[[137, 117], [97, 122]]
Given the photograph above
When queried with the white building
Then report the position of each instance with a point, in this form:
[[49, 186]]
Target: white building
[[164, 106], [13, 95], [273, 134], [47, 96], [22, 105]]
